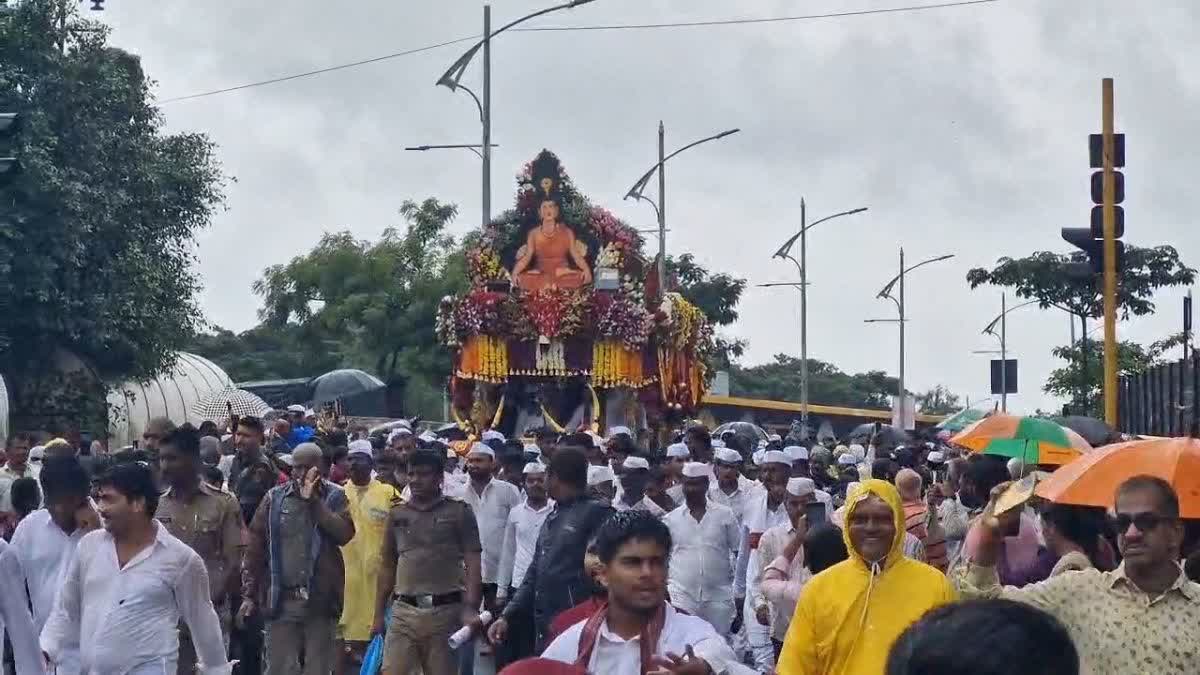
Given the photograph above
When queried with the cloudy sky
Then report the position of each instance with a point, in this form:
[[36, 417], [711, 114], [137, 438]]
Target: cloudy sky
[[963, 129]]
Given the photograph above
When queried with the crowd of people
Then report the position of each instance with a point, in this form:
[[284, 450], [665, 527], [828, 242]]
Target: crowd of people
[[282, 549]]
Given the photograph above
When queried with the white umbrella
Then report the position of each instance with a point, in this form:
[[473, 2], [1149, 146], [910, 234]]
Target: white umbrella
[[219, 405]]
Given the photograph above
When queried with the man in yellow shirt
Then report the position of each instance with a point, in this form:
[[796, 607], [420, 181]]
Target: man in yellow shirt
[[370, 501]]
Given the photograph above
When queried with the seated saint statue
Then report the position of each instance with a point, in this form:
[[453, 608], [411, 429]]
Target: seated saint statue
[[546, 258]]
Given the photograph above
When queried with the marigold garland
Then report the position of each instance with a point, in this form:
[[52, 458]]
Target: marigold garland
[[484, 358], [615, 365]]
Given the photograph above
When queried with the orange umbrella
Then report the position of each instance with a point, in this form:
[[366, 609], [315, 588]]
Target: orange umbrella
[[1092, 480]]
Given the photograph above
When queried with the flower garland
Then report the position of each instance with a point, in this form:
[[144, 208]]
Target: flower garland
[[609, 256], [615, 365], [554, 312], [613, 231], [479, 312], [484, 358], [622, 319], [444, 322], [484, 267]]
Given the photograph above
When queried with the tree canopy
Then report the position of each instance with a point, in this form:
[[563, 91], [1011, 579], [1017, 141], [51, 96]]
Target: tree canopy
[[98, 225], [1084, 385], [375, 299], [267, 352], [1045, 276], [779, 380], [716, 294], [939, 401]]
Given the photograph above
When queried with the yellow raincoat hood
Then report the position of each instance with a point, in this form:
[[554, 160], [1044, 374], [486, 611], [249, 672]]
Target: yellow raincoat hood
[[849, 615]]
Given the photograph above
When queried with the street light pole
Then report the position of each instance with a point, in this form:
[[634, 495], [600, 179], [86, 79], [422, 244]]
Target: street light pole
[[1003, 353], [903, 390], [486, 150], [803, 315], [639, 188], [662, 206], [784, 252], [451, 80], [886, 292]]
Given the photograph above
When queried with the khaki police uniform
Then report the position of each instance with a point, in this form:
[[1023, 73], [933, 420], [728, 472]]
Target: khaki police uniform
[[430, 545]]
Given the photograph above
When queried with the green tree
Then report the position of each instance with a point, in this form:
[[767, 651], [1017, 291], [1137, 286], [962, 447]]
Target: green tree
[[373, 303], [1084, 386], [939, 401], [716, 294], [97, 228], [266, 352], [1047, 278], [779, 380]]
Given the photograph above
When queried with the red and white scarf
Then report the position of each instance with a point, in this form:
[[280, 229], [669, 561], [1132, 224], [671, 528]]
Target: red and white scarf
[[648, 640]]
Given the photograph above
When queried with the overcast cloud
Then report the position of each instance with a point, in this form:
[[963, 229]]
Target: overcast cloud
[[964, 131]]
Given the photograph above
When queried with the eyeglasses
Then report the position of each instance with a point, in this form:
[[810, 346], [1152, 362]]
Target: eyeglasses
[[1145, 521]]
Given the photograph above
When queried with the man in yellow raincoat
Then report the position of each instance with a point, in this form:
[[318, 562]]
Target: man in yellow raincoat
[[370, 501], [849, 615]]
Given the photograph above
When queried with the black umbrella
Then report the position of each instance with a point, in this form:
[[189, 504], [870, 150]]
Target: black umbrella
[[887, 433], [1094, 431], [748, 434], [338, 384]]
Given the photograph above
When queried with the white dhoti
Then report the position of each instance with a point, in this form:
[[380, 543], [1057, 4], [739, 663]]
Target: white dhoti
[[759, 638]]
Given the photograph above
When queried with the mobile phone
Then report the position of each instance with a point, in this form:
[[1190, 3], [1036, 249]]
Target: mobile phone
[[815, 514]]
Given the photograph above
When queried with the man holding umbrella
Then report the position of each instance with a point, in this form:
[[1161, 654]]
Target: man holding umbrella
[[1142, 617]]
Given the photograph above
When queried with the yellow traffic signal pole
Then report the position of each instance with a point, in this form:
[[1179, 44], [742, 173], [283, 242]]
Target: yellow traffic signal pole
[[1110, 261]]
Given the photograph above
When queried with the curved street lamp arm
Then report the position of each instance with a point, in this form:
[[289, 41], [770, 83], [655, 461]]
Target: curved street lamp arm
[[452, 76], [991, 327], [478, 103], [788, 256], [787, 245], [886, 291], [649, 201], [640, 185]]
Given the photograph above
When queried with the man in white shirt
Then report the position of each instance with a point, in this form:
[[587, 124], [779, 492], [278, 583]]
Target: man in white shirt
[[704, 536], [520, 541], [765, 512], [800, 493], [633, 548], [492, 500], [45, 542], [635, 475], [16, 465], [677, 456], [15, 617], [731, 488], [128, 588]]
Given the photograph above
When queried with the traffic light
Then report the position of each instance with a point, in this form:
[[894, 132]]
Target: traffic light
[[8, 142], [1090, 239]]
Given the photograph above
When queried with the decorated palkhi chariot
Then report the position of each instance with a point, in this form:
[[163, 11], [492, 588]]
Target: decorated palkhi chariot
[[565, 325]]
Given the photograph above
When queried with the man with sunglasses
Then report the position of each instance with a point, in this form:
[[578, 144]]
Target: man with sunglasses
[[1142, 617]]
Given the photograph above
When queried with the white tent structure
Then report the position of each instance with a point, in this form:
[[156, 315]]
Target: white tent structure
[[172, 395]]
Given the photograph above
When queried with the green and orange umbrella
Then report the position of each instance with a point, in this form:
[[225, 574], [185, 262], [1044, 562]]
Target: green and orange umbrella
[[1032, 439]]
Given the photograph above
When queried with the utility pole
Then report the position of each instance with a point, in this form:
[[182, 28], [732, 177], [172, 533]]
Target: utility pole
[[1003, 353], [803, 315], [486, 150], [903, 391], [1110, 259], [662, 207], [1187, 327]]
